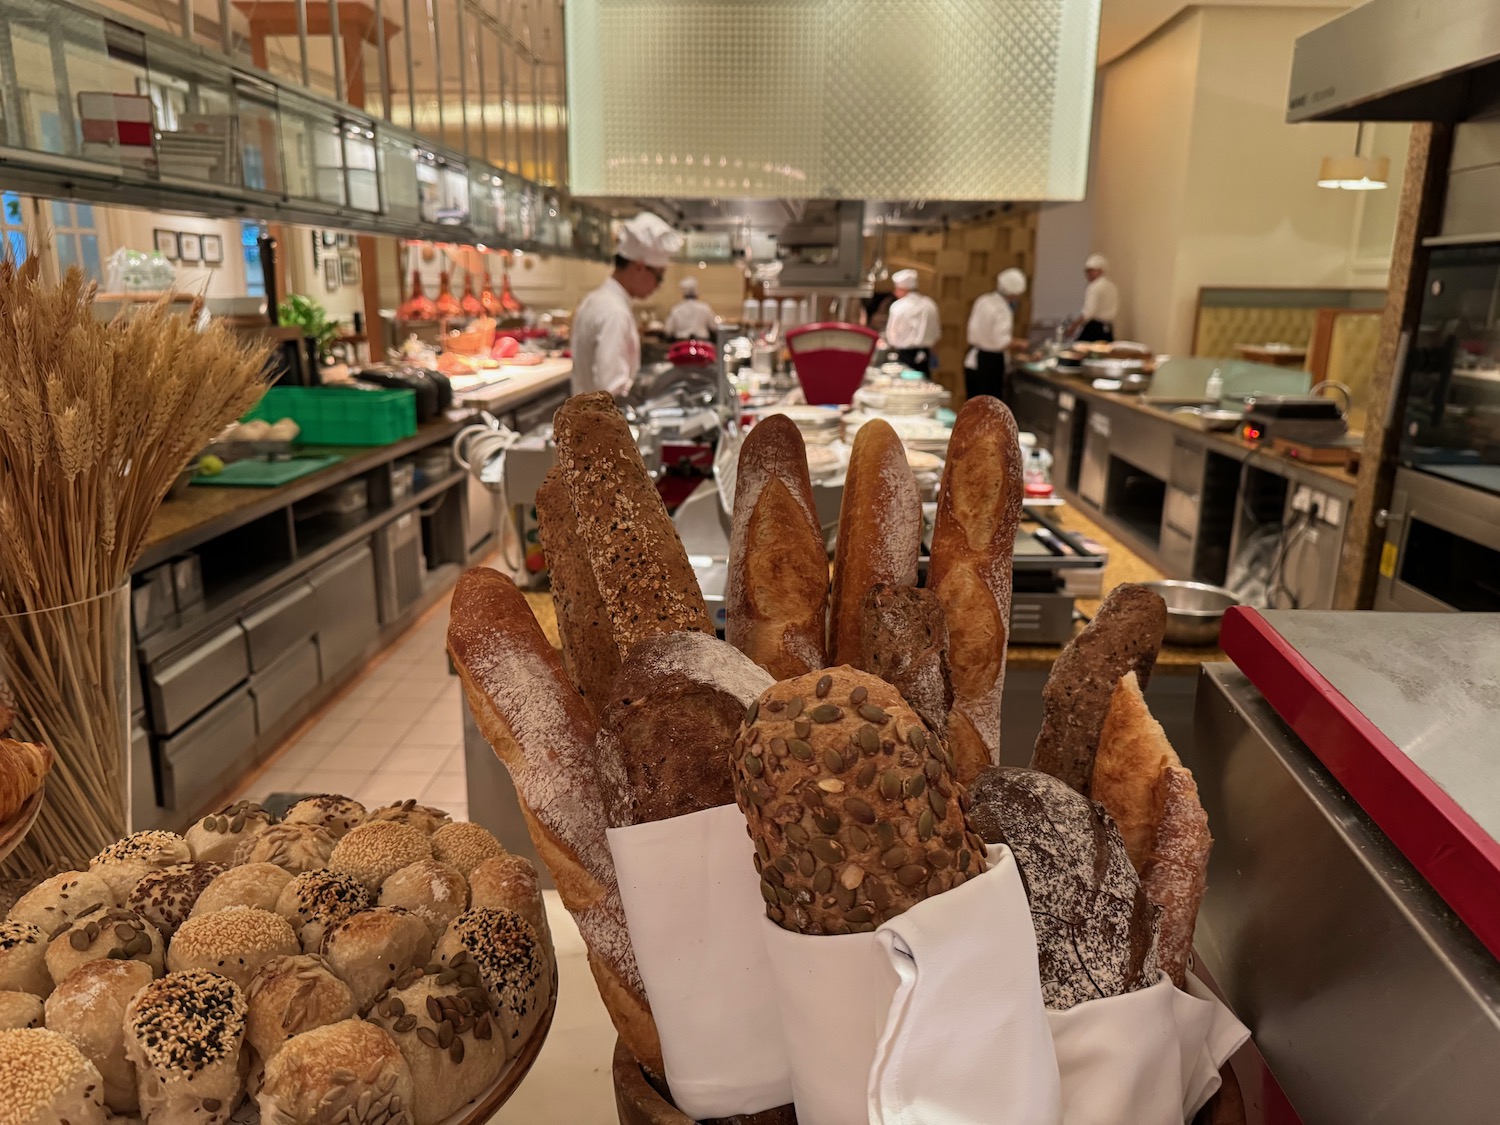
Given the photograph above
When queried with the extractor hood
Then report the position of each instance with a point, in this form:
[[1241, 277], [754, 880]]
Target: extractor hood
[[1399, 60]]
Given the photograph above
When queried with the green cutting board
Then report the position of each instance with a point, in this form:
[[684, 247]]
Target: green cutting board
[[266, 474]]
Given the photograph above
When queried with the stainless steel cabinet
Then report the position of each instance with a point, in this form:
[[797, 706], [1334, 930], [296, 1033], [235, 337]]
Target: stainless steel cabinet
[[279, 623], [208, 754], [189, 678], [348, 609]]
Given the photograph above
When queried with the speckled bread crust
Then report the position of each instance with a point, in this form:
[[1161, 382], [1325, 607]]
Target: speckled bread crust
[[374, 851], [47, 1080], [166, 898], [673, 714], [293, 847], [776, 600], [369, 950], [1175, 876], [20, 1009], [1095, 928], [424, 818], [465, 846], [332, 1069], [290, 995], [89, 1008], [257, 885], [640, 566], [23, 959], [973, 541], [588, 640], [60, 899], [432, 890], [102, 932], [234, 942], [1124, 636], [903, 639], [316, 900], [510, 882], [332, 811], [185, 1034], [217, 837], [851, 803], [122, 864], [513, 966], [444, 1026]]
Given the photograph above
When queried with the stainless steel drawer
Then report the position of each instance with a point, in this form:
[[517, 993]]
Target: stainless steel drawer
[[1177, 553], [208, 755], [348, 610], [144, 811], [279, 688], [1187, 467], [1180, 510], [276, 625], [188, 679]]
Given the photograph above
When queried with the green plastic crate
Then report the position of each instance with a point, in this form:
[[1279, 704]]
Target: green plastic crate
[[341, 415]]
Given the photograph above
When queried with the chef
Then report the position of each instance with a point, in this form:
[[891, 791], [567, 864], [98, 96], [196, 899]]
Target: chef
[[991, 324], [1101, 303], [690, 318], [606, 342], [913, 327]]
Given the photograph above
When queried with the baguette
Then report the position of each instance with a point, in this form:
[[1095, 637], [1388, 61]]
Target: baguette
[[588, 642], [1124, 636], [1176, 873], [776, 601], [880, 531], [904, 640], [641, 569], [544, 733], [1133, 752], [973, 541]]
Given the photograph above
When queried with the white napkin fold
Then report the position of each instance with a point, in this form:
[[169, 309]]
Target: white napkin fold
[[692, 901]]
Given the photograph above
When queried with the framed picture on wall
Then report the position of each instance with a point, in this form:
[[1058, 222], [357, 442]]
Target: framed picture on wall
[[166, 243], [213, 249], [349, 270], [330, 273], [190, 247]]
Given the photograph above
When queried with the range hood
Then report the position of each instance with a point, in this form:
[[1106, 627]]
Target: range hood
[[1399, 60]]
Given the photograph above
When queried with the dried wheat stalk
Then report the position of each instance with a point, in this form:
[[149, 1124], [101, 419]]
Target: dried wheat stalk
[[96, 421]]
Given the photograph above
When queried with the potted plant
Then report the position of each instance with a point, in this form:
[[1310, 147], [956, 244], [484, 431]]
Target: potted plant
[[297, 311]]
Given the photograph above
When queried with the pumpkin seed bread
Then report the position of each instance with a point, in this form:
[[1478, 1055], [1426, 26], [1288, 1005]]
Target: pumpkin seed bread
[[100, 932], [57, 901], [216, 837]]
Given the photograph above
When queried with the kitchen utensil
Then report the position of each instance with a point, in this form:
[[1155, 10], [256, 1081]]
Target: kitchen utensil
[[1194, 611]]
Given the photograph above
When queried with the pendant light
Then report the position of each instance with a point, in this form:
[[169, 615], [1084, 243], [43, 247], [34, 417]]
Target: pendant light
[[1355, 173]]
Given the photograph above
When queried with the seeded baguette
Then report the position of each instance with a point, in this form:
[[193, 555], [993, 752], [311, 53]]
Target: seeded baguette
[[851, 802], [904, 640]]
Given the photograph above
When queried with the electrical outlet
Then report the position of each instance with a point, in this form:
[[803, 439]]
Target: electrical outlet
[[1301, 499], [1333, 511]]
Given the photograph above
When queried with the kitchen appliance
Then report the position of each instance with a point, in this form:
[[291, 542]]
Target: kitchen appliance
[[1305, 418], [1442, 546], [831, 359], [434, 392]]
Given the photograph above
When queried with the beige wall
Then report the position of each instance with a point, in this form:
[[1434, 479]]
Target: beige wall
[[305, 275], [126, 227]]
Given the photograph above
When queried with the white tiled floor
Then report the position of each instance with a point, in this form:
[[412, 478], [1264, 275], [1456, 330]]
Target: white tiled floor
[[397, 732]]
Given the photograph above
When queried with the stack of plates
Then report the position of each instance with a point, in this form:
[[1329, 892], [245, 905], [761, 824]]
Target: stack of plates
[[921, 434], [819, 425], [901, 396]]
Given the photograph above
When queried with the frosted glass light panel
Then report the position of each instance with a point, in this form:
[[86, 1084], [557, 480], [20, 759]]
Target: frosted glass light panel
[[839, 99]]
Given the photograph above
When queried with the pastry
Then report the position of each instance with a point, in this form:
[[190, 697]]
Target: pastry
[[1133, 753], [315, 900], [217, 837], [290, 995], [234, 942], [432, 890], [464, 845], [23, 959], [664, 738], [903, 639], [369, 950], [423, 818], [851, 803], [252, 884], [20, 1009], [23, 768], [776, 600], [513, 966], [185, 1034], [510, 882], [880, 532], [973, 539], [60, 899], [165, 898], [332, 811], [294, 847], [47, 1080], [104, 932], [122, 864], [1095, 928], [374, 851], [89, 1008], [1124, 636], [351, 1071], [1176, 871]]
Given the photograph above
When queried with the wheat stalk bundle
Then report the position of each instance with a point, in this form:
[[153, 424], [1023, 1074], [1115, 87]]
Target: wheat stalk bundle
[[96, 420]]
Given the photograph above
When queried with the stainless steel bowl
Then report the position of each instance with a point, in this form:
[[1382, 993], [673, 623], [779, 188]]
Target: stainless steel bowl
[[1195, 611]]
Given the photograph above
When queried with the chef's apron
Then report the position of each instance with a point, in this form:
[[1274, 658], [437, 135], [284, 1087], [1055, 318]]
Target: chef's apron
[[918, 359], [990, 375], [1097, 331]]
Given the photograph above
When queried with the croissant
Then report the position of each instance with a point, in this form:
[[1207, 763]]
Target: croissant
[[23, 766]]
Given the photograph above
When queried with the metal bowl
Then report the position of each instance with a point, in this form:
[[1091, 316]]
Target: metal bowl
[[1194, 611]]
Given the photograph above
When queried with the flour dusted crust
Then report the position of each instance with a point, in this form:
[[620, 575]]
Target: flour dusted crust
[[290, 995], [20, 1009], [510, 882], [46, 1080], [465, 845], [58, 900], [257, 885], [234, 943], [424, 818], [513, 965], [89, 1008], [217, 837], [432, 890], [352, 1068], [293, 847], [316, 900], [903, 639], [1095, 927], [1175, 875], [104, 932], [122, 864], [369, 950], [185, 1033], [23, 959], [166, 898], [374, 851], [851, 803]]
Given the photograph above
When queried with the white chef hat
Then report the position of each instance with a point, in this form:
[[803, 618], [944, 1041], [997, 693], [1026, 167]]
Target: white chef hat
[[1012, 282], [650, 239], [1096, 262], [689, 284], [905, 279]]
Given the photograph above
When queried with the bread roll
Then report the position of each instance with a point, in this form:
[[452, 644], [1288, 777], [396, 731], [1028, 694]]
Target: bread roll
[[290, 995], [217, 837], [973, 541], [432, 890], [379, 849], [423, 818], [903, 639], [1176, 870], [23, 959], [544, 733], [1133, 753], [514, 967], [510, 882], [880, 532], [185, 1034], [316, 900], [350, 1071], [23, 768], [47, 1080], [776, 602], [583, 624], [234, 943], [166, 898], [369, 950], [294, 848], [1095, 928], [257, 885], [101, 932], [640, 567], [20, 1009], [122, 864], [89, 1008], [465, 845], [1124, 636], [665, 736], [60, 899], [851, 803], [332, 811]]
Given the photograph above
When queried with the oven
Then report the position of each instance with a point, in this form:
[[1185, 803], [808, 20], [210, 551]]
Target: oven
[[1442, 547]]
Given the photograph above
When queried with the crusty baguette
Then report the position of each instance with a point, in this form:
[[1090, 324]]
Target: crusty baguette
[[904, 640], [973, 541], [1176, 874], [880, 531], [1124, 636], [640, 566], [544, 733], [1133, 752], [776, 602], [23, 768], [588, 640]]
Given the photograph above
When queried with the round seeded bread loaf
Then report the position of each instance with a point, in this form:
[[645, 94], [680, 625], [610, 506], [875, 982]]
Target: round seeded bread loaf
[[57, 901], [46, 1080], [292, 847], [375, 851], [315, 900], [89, 1008], [165, 898], [20, 1009], [23, 959], [234, 943], [257, 885], [513, 966], [216, 838], [328, 1073], [432, 890], [185, 1034], [369, 950], [424, 818], [290, 995], [332, 811], [98, 933], [122, 864]]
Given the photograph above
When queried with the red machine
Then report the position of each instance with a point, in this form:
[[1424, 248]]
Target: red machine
[[831, 359]]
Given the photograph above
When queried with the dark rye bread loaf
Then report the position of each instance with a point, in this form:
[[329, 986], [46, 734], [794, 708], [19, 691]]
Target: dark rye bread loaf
[[903, 639], [851, 802], [665, 735], [1095, 928], [1124, 636]]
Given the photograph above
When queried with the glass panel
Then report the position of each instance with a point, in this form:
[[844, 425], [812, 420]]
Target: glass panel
[[455, 195], [312, 152], [260, 149], [89, 254], [67, 251], [359, 159], [83, 215], [61, 217], [198, 135], [398, 165], [429, 189]]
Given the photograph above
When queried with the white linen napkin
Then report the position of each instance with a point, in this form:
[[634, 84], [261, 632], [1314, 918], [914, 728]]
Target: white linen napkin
[[692, 902]]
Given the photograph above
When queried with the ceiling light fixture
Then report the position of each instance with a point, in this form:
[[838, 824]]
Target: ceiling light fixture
[[1355, 173]]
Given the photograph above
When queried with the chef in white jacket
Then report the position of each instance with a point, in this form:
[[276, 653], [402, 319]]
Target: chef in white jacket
[[1101, 303], [991, 329], [913, 327], [606, 342], [690, 318]]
